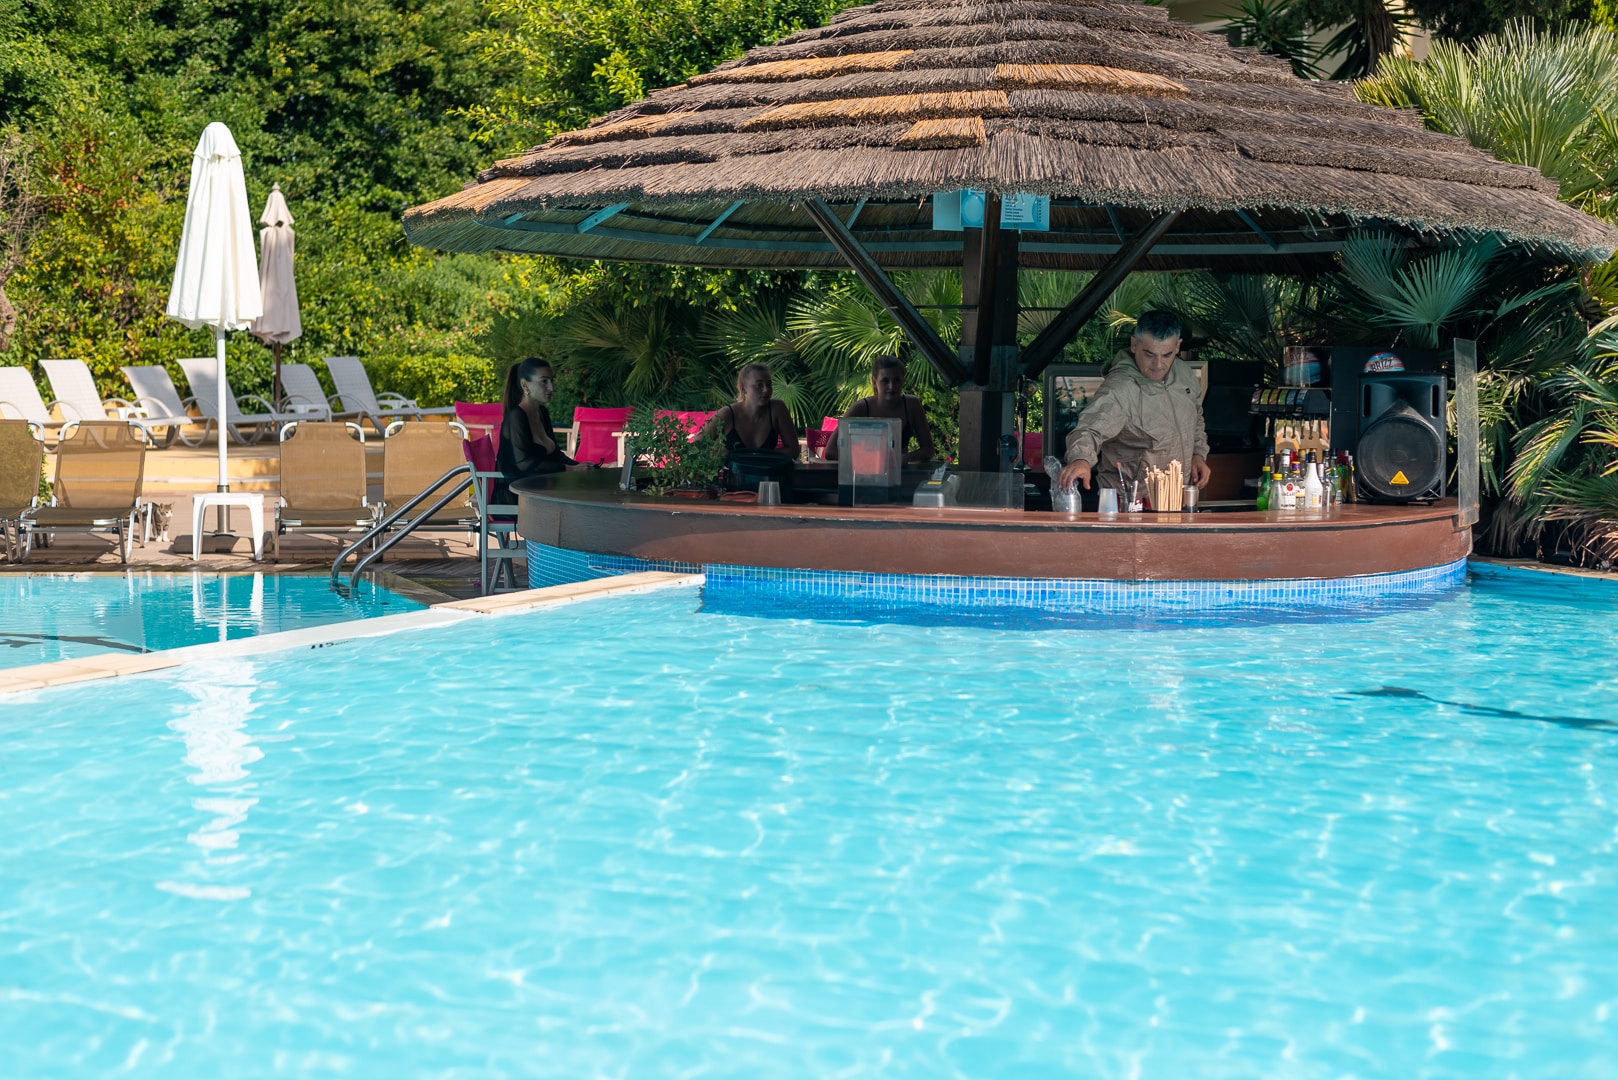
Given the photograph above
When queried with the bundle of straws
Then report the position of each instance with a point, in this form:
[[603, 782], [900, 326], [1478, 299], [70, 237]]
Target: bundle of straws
[[1165, 487]]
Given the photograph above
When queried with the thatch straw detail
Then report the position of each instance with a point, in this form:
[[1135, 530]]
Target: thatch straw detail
[[1088, 76], [812, 67], [1107, 106], [881, 109], [943, 134], [633, 128]]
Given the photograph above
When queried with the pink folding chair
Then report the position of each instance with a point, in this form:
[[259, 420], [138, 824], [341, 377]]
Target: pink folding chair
[[817, 438], [481, 418], [694, 421], [1033, 450], [600, 434], [495, 523]]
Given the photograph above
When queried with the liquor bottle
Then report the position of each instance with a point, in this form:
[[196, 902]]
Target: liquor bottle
[[1262, 502], [1313, 490], [1350, 488], [1276, 484], [1289, 487]]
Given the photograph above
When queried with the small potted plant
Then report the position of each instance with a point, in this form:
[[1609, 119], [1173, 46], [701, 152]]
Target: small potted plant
[[672, 459]]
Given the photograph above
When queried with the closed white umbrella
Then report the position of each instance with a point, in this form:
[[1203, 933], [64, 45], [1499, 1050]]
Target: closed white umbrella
[[280, 322], [216, 275]]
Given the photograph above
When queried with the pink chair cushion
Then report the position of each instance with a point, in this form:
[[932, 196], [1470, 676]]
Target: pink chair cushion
[[817, 439], [596, 440], [693, 421], [829, 423], [480, 452], [481, 418], [1033, 450]]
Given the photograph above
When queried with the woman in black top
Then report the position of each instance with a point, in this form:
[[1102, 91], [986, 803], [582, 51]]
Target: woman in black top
[[527, 441], [890, 401], [755, 421]]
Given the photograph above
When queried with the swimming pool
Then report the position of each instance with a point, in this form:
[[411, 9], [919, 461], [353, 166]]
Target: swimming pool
[[635, 838], [45, 616]]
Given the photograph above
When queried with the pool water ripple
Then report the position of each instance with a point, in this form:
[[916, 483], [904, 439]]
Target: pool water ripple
[[63, 616], [635, 838]]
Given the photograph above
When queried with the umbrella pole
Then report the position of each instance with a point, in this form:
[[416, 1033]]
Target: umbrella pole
[[220, 429], [277, 398]]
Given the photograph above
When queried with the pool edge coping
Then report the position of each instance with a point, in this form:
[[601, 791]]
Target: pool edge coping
[[114, 665]]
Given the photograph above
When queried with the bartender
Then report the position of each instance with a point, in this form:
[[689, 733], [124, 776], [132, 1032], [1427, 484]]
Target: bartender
[[1147, 413]]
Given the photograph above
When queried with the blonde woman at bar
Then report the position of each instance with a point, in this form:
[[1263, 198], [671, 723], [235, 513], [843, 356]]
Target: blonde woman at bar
[[755, 420]]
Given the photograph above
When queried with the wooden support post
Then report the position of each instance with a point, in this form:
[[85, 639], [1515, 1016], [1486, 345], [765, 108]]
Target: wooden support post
[[917, 329], [985, 301], [1061, 330], [988, 339]]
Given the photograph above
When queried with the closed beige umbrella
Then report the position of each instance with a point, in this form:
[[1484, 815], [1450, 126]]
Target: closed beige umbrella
[[279, 292]]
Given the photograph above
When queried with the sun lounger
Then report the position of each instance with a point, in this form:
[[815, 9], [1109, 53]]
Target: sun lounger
[[158, 400], [354, 391], [322, 481], [74, 386], [99, 469], [414, 457], [22, 456], [202, 373], [20, 400], [301, 393]]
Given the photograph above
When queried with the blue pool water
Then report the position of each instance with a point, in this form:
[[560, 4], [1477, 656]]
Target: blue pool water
[[46, 617], [633, 838]]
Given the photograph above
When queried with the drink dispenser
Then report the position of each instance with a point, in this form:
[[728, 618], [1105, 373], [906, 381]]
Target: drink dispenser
[[868, 460]]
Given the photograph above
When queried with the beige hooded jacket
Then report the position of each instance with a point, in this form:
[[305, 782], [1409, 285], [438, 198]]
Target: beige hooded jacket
[[1138, 422]]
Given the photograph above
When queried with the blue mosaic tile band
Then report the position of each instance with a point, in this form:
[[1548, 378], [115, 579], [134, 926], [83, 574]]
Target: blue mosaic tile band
[[558, 566], [836, 594], [1080, 594]]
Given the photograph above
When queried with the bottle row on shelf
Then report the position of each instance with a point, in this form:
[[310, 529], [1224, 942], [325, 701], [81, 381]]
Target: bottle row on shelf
[[1310, 485]]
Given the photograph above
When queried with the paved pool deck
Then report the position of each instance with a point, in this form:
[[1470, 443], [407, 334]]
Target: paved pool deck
[[431, 568]]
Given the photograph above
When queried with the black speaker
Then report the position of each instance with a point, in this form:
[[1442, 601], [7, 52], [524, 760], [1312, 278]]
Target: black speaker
[[1401, 452]]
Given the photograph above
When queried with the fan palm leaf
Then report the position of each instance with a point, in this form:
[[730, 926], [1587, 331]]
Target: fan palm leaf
[[1543, 99]]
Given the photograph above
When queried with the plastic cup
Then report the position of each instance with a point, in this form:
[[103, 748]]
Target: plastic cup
[[1188, 499], [1108, 502], [769, 493]]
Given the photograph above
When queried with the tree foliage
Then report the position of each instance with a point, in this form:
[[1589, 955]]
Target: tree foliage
[[347, 103], [574, 60], [1546, 100]]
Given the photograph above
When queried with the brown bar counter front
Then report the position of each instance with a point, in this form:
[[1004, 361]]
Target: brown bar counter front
[[586, 512]]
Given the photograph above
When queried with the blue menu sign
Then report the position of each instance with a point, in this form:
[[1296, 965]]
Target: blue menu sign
[[957, 210]]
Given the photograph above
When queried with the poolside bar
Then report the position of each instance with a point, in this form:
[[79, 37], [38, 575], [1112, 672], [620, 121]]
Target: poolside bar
[[1104, 139]]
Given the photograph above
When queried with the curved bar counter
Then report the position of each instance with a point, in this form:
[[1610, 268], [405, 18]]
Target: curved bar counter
[[586, 513]]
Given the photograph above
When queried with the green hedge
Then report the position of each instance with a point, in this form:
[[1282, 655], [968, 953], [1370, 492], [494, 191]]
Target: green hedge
[[435, 380]]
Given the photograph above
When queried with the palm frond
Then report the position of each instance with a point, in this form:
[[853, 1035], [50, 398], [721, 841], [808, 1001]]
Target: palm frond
[[1540, 449]]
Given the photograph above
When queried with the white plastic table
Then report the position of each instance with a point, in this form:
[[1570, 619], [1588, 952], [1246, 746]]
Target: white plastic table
[[255, 516]]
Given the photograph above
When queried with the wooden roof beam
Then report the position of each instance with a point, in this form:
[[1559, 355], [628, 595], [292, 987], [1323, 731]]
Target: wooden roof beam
[[917, 329], [1062, 329]]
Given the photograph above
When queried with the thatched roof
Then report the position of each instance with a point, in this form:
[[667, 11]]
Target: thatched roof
[[1108, 106]]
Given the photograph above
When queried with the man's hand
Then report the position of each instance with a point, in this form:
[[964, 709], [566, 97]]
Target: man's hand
[[1200, 473], [1078, 471]]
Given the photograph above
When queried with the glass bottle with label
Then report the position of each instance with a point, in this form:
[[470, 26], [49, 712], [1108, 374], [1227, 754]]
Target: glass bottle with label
[[1313, 490]]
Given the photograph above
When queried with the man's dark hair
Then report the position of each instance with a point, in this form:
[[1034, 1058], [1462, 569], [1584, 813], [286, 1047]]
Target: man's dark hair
[[1161, 325]]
